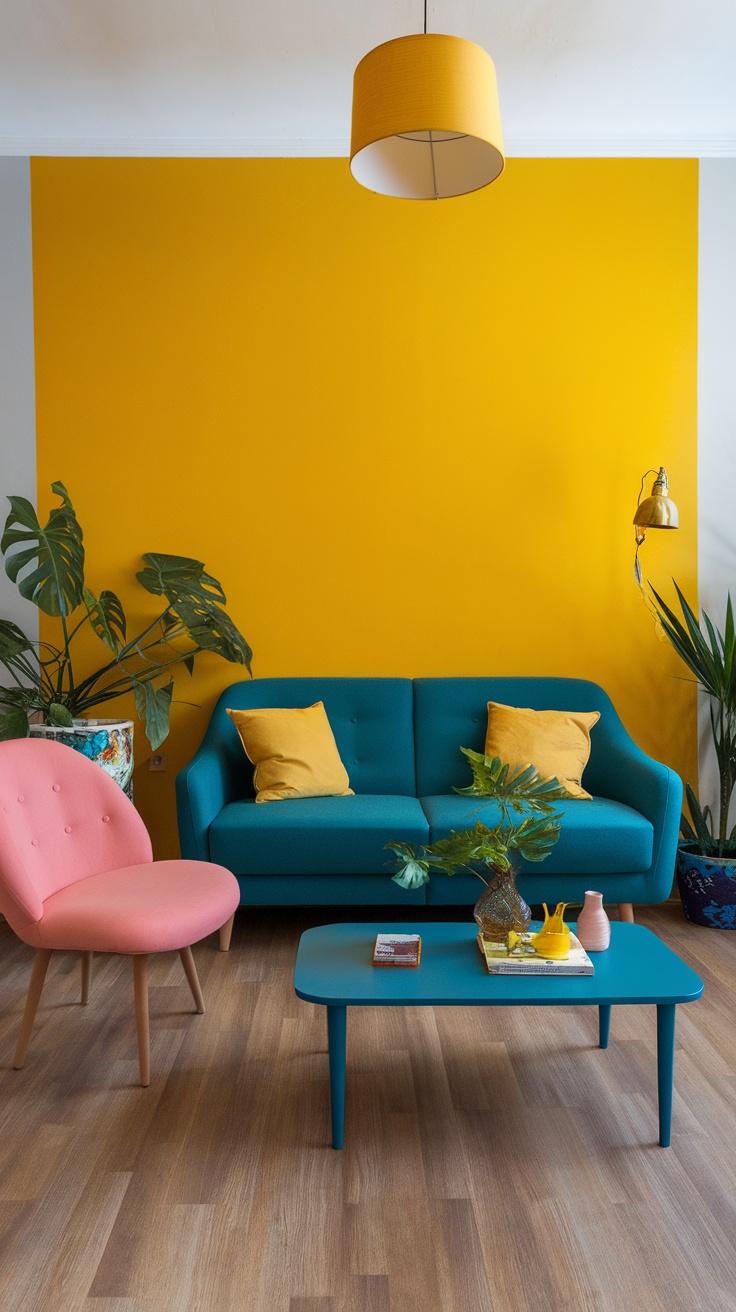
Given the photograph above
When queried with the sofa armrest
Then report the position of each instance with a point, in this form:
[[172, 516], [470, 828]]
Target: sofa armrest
[[203, 787], [655, 791]]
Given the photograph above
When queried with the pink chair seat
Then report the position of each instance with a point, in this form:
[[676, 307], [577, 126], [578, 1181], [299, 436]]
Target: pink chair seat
[[77, 874], [155, 907]]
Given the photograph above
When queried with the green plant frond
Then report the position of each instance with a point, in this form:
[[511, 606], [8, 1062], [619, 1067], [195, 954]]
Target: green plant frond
[[197, 599], [703, 833], [690, 645], [535, 837], [518, 787], [46, 563], [13, 641], [153, 706], [107, 617]]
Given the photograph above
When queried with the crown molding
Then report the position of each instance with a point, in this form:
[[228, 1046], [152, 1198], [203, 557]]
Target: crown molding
[[302, 147]]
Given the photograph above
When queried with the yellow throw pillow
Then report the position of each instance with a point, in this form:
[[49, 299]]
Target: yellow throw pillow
[[557, 743], [294, 752]]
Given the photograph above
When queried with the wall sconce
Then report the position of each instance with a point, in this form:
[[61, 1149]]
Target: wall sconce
[[426, 122], [656, 511]]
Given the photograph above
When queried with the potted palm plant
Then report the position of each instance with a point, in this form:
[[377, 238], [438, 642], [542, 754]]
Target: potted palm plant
[[706, 859], [528, 826], [47, 564]]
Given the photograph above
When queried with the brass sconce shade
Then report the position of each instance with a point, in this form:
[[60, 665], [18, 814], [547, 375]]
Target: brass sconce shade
[[426, 121], [656, 511]]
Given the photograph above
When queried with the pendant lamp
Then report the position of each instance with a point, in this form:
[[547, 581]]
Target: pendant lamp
[[426, 121]]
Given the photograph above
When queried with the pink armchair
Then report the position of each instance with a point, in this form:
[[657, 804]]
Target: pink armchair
[[77, 874]]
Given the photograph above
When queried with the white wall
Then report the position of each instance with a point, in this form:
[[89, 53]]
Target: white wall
[[17, 378], [716, 412]]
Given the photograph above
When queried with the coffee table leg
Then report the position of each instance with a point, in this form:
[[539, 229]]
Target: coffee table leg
[[665, 1068], [336, 1039], [604, 1025]]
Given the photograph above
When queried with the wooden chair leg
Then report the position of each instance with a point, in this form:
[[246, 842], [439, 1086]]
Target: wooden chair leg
[[226, 934], [190, 970], [38, 975], [86, 976], [140, 988], [626, 912]]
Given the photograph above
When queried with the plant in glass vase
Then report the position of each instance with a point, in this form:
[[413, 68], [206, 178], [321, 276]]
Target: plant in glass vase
[[47, 564], [528, 826]]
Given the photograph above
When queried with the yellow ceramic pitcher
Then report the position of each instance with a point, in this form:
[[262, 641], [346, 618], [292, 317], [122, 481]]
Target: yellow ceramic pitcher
[[553, 939]]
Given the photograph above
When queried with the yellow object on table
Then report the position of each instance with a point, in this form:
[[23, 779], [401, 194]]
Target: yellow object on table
[[553, 939]]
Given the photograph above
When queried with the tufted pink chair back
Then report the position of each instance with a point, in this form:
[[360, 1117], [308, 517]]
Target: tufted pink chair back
[[62, 818]]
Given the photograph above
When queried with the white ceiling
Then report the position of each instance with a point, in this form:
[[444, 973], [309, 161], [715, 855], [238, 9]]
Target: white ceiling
[[274, 77]]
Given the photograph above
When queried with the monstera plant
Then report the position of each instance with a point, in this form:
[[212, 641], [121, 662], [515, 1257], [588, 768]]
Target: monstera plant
[[47, 564]]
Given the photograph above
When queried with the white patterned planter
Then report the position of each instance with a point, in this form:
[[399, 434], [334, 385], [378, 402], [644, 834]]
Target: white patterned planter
[[107, 742]]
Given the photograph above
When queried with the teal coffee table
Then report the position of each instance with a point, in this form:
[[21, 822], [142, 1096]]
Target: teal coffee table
[[334, 969]]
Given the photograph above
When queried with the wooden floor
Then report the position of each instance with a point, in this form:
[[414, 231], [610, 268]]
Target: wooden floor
[[495, 1160]]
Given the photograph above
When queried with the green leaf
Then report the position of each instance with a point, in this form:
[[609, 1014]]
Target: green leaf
[[13, 724], [518, 787], [107, 618], [412, 875], [60, 716], [13, 642], [47, 563], [197, 599], [702, 831], [153, 706]]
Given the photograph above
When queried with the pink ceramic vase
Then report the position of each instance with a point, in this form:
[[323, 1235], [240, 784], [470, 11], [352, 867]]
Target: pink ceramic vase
[[593, 927]]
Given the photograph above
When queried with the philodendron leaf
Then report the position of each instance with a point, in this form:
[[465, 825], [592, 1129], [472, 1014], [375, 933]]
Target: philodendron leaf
[[60, 716], [47, 563], [13, 724], [13, 642], [107, 618], [412, 875], [153, 705], [197, 599]]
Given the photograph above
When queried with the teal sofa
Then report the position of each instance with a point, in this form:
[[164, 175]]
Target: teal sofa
[[400, 741]]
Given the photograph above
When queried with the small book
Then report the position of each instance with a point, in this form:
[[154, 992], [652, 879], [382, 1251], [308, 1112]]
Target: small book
[[397, 950], [521, 959]]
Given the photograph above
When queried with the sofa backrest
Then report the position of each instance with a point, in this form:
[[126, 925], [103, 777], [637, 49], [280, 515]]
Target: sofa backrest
[[452, 713], [372, 720]]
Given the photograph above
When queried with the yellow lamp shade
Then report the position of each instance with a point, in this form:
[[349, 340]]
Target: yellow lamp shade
[[426, 121]]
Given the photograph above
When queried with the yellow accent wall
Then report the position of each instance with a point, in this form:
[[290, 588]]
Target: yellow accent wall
[[406, 437]]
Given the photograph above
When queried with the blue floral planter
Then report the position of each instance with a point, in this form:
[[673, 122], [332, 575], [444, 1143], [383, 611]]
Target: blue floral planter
[[707, 889], [109, 743]]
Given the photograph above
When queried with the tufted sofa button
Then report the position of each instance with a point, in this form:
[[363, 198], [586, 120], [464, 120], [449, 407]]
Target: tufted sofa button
[[105, 819], [67, 829], [353, 719], [57, 788], [34, 842], [21, 798]]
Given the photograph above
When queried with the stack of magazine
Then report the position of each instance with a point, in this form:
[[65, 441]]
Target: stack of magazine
[[522, 959]]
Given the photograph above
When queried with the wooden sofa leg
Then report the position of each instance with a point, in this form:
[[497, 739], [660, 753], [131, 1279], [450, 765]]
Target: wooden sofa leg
[[140, 988], [626, 912], [86, 976], [190, 970], [226, 934], [38, 975]]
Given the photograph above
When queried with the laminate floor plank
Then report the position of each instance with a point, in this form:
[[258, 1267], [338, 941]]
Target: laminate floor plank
[[496, 1160]]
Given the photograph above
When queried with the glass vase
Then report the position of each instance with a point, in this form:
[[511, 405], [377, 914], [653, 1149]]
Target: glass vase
[[501, 908]]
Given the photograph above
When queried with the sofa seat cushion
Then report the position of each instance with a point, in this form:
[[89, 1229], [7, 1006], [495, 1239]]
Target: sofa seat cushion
[[316, 835], [599, 837]]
